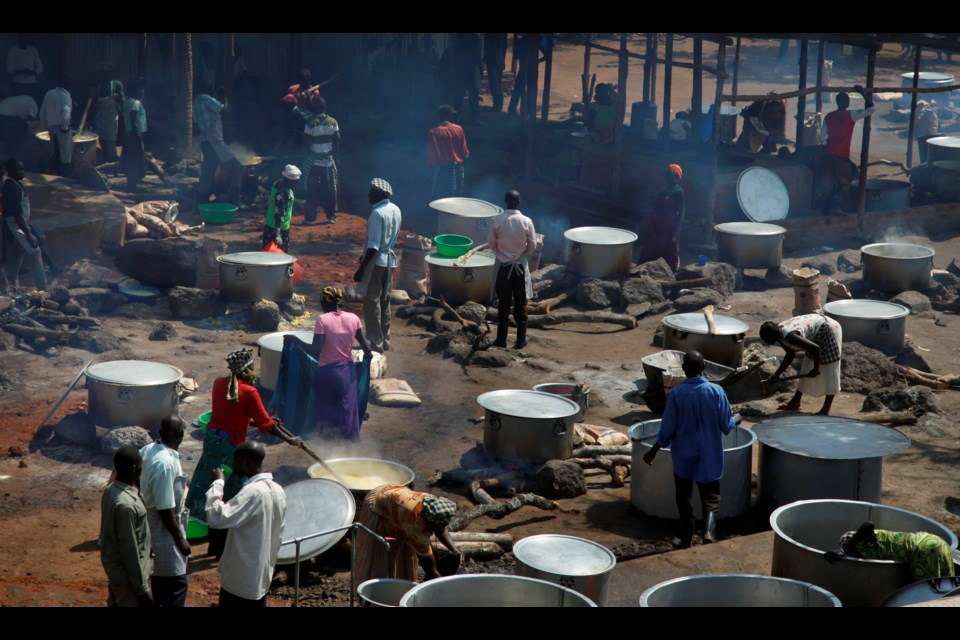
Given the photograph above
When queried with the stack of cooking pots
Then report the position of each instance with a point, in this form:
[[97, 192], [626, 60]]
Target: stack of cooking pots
[[599, 252], [686, 331], [132, 392], [252, 275]]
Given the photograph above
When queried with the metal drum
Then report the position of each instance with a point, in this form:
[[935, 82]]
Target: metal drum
[[599, 252], [881, 195], [252, 275], [943, 148], [471, 281], [873, 323], [270, 347], [132, 392], [465, 217], [809, 457], [566, 390], [762, 196], [489, 590], [750, 245], [364, 474], [383, 592], [652, 486], [924, 591], [527, 425], [571, 562], [686, 331], [84, 146], [736, 590], [925, 80], [314, 506], [805, 530], [896, 266]]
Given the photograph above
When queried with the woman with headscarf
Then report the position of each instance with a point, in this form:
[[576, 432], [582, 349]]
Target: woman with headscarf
[[410, 518], [820, 339], [927, 555], [337, 404], [661, 236], [276, 226], [235, 403]]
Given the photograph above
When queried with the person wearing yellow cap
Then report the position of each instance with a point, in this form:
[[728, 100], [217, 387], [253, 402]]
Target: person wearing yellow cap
[[276, 227], [661, 237]]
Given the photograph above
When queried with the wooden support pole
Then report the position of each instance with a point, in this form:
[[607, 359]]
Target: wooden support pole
[[667, 87], [696, 100], [645, 92], [533, 80], [802, 84], [865, 145], [653, 69], [736, 69], [586, 74], [913, 105], [821, 52], [623, 66], [547, 74], [721, 63]]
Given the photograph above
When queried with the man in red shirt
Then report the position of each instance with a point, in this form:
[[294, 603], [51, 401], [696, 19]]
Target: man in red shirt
[[835, 137], [446, 152]]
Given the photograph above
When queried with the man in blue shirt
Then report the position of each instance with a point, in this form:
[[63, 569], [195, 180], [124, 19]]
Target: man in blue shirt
[[696, 418], [378, 263]]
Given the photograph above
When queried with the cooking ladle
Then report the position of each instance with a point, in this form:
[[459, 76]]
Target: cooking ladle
[[316, 456]]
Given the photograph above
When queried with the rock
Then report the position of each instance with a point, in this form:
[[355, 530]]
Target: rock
[[722, 275], [863, 369], [560, 479], [549, 272], [472, 311], [857, 288], [100, 301], [161, 263], [639, 290], [697, 299], [910, 358], [265, 316], [945, 278], [940, 321], [492, 357], [457, 347], [779, 277], [437, 344], [657, 340], [657, 270], [938, 292], [913, 300], [7, 341], [59, 293], [752, 411], [594, 293], [848, 261], [94, 340], [84, 273], [919, 399], [294, 307], [202, 338], [13, 451], [637, 310], [77, 428], [824, 267], [540, 364], [189, 303], [953, 267], [162, 332], [116, 438], [9, 380], [71, 308], [399, 296]]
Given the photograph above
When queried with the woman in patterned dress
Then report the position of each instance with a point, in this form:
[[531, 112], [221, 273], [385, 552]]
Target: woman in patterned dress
[[928, 555], [820, 339]]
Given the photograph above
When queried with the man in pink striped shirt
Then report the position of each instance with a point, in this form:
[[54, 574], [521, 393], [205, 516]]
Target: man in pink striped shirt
[[512, 239]]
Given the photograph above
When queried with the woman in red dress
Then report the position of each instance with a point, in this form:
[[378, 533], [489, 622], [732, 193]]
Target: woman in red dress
[[661, 232]]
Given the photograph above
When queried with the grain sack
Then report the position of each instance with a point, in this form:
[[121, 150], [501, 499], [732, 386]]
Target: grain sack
[[590, 434], [391, 392], [378, 364]]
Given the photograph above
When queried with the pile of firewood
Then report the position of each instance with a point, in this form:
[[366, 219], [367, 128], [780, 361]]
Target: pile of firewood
[[43, 319], [932, 380]]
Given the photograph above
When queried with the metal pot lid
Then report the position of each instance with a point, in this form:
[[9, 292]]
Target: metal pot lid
[[749, 229], [923, 591], [257, 258], [357, 472], [314, 506], [951, 142], [830, 438], [600, 235], [521, 403], [479, 259], [897, 250], [929, 76], [137, 373], [564, 555], [274, 341], [697, 323], [83, 137], [466, 207], [762, 195], [947, 165], [866, 309]]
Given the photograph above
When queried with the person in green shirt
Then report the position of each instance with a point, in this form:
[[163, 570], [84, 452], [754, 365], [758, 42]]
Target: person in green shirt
[[276, 228]]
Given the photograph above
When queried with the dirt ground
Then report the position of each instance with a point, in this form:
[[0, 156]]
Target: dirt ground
[[49, 497]]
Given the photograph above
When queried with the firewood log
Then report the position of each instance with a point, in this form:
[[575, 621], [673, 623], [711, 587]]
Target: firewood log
[[479, 495], [597, 450], [498, 510], [893, 417], [478, 550], [32, 334], [544, 306], [414, 310], [618, 466], [539, 322]]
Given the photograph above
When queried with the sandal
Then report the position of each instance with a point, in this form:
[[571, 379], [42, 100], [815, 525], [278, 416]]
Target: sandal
[[789, 406]]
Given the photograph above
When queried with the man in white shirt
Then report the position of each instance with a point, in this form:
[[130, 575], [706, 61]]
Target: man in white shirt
[[163, 487], [23, 67], [15, 113], [378, 263], [56, 110], [255, 516], [512, 238]]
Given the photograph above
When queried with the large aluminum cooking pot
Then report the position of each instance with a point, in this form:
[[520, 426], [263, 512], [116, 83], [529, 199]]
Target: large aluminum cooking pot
[[527, 425], [571, 562], [873, 323], [473, 280], [652, 486], [926, 79], [686, 331], [566, 390], [599, 252], [895, 266], [882, 195], [943, 148], [270, 347], [491, 590], [132, 392], [314, 506], [750, 245], [251, 275], [736, 590], [364, 474], [383, 592], [465, 217], [804, 530], [946, 179], [812, 457], [84, 146], [924, 591]]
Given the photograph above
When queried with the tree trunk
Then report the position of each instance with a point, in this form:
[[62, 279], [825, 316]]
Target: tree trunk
[[184, 53]]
